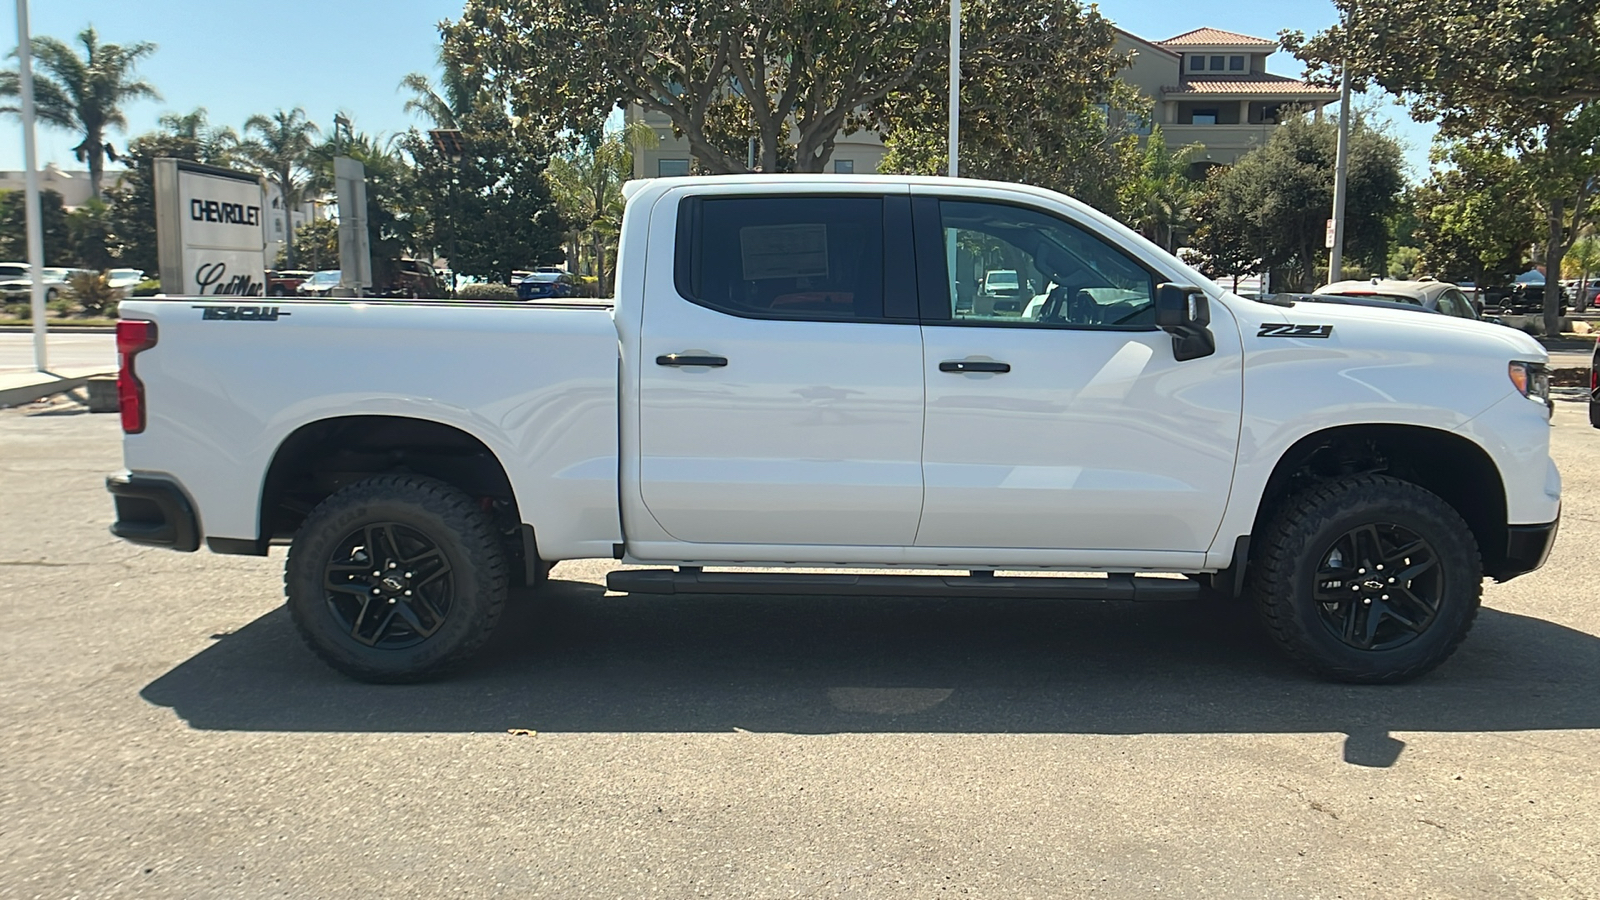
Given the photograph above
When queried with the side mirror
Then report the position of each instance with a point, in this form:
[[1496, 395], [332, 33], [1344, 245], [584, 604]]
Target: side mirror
[[1184, 312]]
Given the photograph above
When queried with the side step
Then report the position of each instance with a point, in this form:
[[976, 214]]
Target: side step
[[691, 580]]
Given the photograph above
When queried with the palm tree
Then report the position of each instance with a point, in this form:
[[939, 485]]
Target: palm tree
[[427, 101], [84, 94], [1158, 202], [217, 145], [280, 146], [587, 186]]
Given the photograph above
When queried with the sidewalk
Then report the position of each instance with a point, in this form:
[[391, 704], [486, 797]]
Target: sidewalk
[[17, 388]]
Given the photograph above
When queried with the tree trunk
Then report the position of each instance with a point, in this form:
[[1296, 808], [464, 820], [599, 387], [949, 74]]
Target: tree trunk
[[288, 221], [94, 143], [1554, 251]]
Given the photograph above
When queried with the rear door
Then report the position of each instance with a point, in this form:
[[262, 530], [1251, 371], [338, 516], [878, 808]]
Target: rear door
[[780, 371]]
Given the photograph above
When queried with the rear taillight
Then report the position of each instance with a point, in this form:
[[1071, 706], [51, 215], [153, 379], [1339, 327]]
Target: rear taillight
[[133, 337]]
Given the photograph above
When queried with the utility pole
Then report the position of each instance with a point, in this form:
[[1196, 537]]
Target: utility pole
[[1340, 172], [30, 164]]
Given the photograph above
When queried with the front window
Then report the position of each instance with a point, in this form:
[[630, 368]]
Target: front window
[[1235, 64], [1216, 64], [1021, 267], [1197, 63]]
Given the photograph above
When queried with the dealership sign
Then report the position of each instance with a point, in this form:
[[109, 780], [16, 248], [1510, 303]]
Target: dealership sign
[[209, 232]]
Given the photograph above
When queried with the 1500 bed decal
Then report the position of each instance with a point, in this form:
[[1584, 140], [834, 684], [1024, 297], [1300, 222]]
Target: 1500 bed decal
[[1299, 331]]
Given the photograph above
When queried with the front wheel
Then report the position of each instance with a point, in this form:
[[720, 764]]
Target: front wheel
[[396, 578], [1367, 579]]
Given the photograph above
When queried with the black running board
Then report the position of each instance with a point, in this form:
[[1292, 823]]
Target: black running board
[[690, 580]]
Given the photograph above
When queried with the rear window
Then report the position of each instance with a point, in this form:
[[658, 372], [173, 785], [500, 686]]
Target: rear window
[[784, 257], [1396, 298]]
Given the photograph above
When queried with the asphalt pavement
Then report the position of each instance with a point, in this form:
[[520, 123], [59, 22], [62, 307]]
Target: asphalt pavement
[[166, 735]]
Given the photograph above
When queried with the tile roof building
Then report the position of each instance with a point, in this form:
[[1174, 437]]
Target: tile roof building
[[1211, 87]]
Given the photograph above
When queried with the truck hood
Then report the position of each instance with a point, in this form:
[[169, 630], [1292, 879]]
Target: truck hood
[[1397, 329]]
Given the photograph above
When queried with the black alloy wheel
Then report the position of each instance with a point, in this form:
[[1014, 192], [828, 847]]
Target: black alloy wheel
[[389, 586], [1379, 587], [396, 578]]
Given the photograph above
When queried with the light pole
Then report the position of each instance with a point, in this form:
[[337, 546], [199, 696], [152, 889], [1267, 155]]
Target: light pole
[[955, 88], [30, 164], [1341, 165]]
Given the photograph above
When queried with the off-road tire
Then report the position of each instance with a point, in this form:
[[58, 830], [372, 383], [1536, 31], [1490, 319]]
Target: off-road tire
[[1282, 576], [459, 528]]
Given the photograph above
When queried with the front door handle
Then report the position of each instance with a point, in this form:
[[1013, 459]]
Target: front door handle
[[974, 365], [674, 359]]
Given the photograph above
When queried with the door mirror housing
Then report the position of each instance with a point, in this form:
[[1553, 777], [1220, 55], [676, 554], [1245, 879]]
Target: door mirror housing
[[1184, 312]]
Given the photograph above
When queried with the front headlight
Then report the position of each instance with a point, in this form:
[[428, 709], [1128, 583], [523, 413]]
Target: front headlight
[[1531, 380]]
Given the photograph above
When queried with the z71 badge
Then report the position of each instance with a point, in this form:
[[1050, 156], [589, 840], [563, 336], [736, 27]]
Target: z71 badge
[[240, 313], [1299, 331]]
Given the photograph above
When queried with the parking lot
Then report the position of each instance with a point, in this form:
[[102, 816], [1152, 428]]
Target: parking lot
[[166, 734]]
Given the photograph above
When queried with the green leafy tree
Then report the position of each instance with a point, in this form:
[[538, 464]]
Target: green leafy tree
[[792, 72], [316, 245], [587, 185], [1273, 203], [1519, 75], [1041, 103], [132, 212], [280, 146], [1158, 201], [1475, 215], [491, 211], [1583, 260], [89, 235], [84, 93], [53, 222]]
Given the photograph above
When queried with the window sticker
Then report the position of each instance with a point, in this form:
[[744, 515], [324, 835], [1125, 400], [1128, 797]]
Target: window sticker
[[784, 251]]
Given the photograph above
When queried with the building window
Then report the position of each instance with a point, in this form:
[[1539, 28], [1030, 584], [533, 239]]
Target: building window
[[1216, 64], [1197, 63], [1205, 117], [844, 167], [668, 168], [1236, 64]]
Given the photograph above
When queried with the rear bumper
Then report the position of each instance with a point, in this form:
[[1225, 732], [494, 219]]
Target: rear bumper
[[1527, 548], [154, 512]]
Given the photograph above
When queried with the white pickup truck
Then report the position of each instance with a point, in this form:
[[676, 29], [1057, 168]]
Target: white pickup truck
[[804, 373]]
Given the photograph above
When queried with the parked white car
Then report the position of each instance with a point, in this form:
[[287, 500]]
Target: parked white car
[[16, 284], [785, 379]]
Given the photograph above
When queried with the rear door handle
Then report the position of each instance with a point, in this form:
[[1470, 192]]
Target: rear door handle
[[974, 365], [674, 359]]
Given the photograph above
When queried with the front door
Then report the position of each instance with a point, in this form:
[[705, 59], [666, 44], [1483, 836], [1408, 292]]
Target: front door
[[778, 403], [1058, 418]]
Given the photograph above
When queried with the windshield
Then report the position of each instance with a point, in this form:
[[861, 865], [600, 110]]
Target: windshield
[[13, 271], [325, 277]]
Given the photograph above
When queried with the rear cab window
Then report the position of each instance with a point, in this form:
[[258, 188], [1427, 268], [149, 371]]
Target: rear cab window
[[817, 258]]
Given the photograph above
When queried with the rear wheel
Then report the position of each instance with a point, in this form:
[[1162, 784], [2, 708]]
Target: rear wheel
[[1368, 579], [396, 578]]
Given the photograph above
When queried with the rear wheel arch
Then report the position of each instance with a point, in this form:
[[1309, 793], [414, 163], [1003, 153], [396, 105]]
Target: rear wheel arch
[[320, 458]]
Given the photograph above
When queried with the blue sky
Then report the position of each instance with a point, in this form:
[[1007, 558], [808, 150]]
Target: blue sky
[[230, 57]]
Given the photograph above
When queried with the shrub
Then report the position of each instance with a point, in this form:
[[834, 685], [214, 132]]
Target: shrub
[[486, 292], [92, 292], [147, 288]]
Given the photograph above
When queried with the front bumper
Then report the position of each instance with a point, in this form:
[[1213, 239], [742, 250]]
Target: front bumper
[[1527, 548], [153, 511]]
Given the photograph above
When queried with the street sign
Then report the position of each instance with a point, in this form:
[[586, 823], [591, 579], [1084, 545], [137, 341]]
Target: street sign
[[1327, 239]]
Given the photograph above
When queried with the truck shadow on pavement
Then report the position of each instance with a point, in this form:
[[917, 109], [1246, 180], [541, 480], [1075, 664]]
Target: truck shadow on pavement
[[575, 660]]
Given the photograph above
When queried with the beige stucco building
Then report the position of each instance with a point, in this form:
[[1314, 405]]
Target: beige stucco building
[[1212, 87], [1206, 86]]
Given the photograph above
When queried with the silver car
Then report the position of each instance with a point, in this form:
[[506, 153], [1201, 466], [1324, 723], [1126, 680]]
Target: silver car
[[16, 286]]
